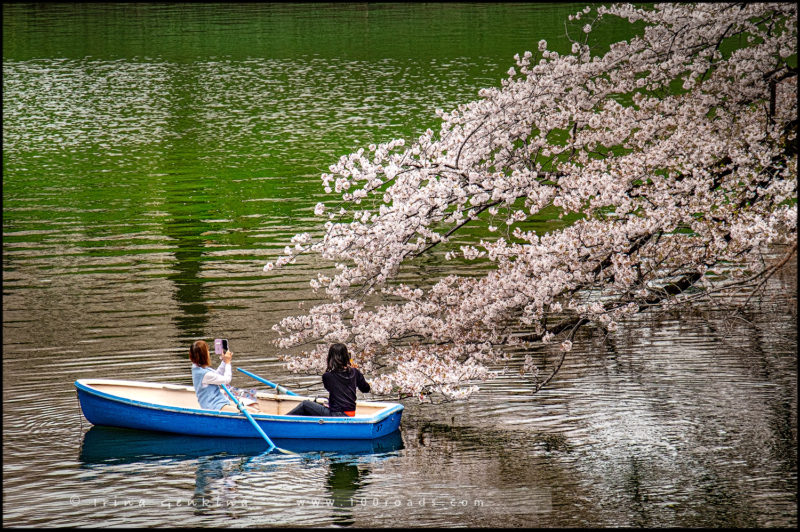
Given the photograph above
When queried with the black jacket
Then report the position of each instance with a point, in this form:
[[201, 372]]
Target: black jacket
[[342, 388]]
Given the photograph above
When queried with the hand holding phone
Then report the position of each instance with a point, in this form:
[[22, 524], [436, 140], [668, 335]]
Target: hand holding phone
[[220, 346]]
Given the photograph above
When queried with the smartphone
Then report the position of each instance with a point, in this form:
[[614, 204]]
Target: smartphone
[[220, 346]]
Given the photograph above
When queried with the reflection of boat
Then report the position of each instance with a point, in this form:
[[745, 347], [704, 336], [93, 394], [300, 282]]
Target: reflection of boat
[[116, 445], [174, 408]]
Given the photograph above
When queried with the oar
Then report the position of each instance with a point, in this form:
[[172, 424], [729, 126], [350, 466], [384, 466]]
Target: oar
[[278, 388], [252, 421]]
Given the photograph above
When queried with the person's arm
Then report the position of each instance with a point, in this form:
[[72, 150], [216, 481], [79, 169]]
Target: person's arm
[[361, 382], [221, 376], [327, 384]]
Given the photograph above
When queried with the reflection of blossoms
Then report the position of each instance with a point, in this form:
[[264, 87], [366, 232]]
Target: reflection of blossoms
[[674, 157]]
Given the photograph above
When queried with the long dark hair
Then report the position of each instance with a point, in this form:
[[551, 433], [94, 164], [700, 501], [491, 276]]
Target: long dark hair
[[338, 358]]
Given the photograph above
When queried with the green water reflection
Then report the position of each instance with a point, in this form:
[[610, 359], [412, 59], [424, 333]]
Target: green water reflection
[[185, 32], [135, 130]]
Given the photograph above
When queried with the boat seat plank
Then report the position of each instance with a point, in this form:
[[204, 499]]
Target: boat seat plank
[[184, 397]]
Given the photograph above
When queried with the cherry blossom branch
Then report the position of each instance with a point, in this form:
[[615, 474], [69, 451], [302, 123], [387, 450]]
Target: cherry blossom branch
[[564, 352], [656, 185]]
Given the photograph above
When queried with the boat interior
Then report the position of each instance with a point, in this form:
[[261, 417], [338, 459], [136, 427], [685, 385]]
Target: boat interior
[[185, 397]]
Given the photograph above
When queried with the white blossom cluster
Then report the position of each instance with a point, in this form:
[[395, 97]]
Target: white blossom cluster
[[677, 149]]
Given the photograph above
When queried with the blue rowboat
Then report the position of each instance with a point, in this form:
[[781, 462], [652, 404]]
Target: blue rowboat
[[174, 408]]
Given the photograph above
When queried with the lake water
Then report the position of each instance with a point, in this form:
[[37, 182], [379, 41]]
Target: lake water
[[155, 157]]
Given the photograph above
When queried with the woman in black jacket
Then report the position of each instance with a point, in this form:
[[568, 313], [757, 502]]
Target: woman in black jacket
[[341, 380]]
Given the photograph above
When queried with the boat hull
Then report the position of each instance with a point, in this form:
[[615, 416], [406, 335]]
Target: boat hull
[[106, 409]]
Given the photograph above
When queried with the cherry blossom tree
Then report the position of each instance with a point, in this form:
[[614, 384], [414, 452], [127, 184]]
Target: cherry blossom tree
[[672, 158]]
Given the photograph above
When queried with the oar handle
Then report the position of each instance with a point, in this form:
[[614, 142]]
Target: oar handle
[[278, 388], [252, 421]]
